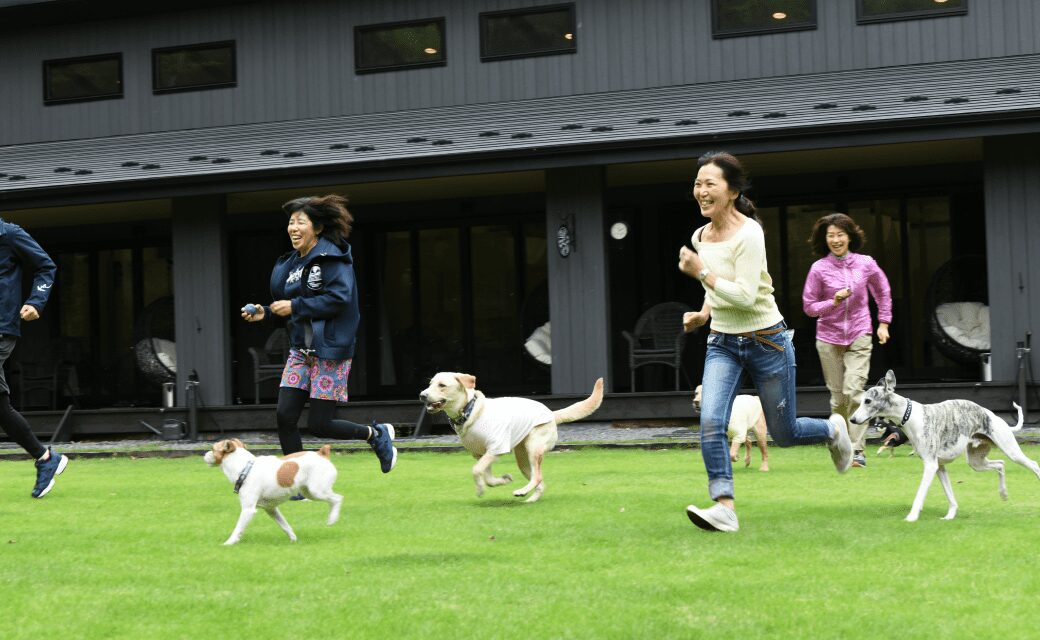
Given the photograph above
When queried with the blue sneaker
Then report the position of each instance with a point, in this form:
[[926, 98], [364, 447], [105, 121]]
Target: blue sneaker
[[299, 497], [382, 442], [46, 470]]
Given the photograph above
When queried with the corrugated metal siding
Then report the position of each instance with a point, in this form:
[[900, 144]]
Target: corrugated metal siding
[[295, 59], [1012, 190]]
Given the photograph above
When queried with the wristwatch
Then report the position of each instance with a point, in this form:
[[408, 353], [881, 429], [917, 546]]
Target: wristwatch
[[702, 274]]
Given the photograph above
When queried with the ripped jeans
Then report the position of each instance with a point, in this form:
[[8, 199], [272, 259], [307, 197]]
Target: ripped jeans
[[772, 371]]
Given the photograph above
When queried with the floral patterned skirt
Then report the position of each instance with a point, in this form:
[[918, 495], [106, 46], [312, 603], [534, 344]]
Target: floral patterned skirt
[[325, 379]]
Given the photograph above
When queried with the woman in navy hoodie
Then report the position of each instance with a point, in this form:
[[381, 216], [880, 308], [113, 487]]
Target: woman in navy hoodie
[[314, 287], [19, 251]]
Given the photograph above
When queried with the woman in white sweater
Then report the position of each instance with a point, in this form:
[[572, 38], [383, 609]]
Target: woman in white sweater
[[748, 335]]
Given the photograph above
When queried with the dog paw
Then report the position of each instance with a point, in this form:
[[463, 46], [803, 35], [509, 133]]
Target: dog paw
[[911, 518], [480, 492], [507, 477], [229, 542]]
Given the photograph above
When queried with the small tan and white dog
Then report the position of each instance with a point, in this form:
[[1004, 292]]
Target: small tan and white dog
[[745, 416], [268, 481], [491, 427]]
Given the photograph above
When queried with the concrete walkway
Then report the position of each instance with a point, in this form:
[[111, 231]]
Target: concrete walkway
[[646, 435]]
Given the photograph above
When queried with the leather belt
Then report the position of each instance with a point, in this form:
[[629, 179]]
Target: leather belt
[[758, 336]]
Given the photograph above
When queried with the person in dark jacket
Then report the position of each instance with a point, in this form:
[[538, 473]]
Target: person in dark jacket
[[18, 253], [314, 287]]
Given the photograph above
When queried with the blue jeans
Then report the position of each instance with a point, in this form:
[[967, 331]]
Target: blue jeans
[[772, 371]]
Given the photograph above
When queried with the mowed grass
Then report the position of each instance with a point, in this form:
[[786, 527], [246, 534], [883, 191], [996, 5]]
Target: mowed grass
[[132, 549]]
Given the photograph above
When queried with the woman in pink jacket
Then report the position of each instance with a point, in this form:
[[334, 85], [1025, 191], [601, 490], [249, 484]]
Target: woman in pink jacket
[[836, 294]]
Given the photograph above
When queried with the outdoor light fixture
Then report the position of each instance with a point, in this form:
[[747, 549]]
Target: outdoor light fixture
[[568, 36], [565, 235], [618, 230], [779, 15], [430, 50]]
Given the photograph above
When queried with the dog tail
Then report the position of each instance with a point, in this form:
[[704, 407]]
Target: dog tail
[[324, 451], [581, 409], [1020, 421]]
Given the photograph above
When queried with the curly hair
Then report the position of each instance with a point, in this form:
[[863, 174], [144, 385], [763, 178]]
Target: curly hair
[[818, 237], [329, 212]]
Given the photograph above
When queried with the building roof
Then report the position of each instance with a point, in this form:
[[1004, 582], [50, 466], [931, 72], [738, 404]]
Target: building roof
[[874, 99]]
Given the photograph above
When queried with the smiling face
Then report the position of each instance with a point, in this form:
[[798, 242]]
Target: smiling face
[[711, 191], [302, 233], [837, 240]]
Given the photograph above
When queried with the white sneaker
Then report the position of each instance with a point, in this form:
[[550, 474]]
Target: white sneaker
[[715, 518], [839, 444]]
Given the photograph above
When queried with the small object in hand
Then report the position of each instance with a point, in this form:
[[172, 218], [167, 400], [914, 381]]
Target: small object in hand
[[250, 309]]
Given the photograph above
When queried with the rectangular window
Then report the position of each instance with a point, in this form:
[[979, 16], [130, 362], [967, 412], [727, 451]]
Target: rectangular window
[[401, 45], [537, 31], [888, 10], [747, 17], [80, 79], [190, 68]]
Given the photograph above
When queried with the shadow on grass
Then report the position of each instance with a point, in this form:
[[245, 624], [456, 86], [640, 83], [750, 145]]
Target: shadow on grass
[[421, 559]]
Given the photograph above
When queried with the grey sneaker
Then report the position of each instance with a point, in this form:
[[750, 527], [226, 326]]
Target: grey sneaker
[[839, 444], [859, 460], [714, 518]]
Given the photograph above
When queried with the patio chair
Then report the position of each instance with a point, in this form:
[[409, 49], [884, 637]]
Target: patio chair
[[658, 338], [269, 362]]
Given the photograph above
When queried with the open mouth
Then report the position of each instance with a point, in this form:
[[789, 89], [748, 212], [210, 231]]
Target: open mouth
[[435, 405]]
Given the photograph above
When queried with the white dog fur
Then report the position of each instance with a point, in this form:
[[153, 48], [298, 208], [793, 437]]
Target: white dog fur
[[494, 426], [271, 481], [745, 417], [941, 432]]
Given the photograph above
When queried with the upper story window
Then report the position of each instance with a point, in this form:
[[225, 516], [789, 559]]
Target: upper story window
[[193, 67], [399, 45], [536, 31], [79, 79], [748, 17], [889, 10]]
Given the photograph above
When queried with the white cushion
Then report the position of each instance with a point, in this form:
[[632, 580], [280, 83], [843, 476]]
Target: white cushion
[[539, 344], [166, 351], [966, 323]]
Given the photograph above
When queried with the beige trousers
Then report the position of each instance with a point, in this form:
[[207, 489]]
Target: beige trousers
[[845, 371]]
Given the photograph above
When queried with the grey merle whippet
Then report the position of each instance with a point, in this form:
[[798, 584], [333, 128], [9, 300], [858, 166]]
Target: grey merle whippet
[[941, 432]]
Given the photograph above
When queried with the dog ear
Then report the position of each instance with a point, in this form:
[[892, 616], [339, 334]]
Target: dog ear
[[890, 380], [466, 380]]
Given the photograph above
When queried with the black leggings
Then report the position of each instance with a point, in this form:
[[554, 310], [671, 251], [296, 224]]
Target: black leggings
[[320, 421], [14, 424]]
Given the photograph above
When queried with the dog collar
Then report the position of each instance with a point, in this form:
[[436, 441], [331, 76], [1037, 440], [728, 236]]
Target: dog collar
[[464, 416], [906, 414], [242, 476]]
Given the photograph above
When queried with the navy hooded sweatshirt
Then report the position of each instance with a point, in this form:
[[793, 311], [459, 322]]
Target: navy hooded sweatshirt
[[18, 252]]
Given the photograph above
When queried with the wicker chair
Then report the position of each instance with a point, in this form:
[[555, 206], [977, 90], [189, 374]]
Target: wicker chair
[[959, 290], [658, 338], [269, 362]]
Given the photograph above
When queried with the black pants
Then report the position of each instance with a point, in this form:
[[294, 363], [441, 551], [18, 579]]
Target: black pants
[[320, 421], [16, 428]]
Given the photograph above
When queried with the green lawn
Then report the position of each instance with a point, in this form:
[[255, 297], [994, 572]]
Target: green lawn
[[132, 549]]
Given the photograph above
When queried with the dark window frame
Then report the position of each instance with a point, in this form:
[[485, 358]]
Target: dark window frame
[[359, 30], [938, 12], [572, 14], [117, 56], [719, 33], [191, 47]]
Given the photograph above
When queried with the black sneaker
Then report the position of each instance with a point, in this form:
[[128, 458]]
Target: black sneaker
[[382, 442], [46, 470]]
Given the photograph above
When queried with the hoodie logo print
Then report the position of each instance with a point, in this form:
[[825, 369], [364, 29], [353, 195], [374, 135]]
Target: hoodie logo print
[[314, 278]]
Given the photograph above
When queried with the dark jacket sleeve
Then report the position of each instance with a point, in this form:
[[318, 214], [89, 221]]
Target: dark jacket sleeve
[[336, 295], [36, 260]]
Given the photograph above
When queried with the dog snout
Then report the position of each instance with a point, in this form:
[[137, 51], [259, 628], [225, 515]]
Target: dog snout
[[423, 395]]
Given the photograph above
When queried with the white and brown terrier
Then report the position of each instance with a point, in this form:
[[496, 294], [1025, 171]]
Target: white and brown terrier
[[268, 481]]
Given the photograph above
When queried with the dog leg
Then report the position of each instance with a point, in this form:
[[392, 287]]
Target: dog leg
[[334, 500], [734, 447], [930, 467], [535, 445], [480, 470], [1005, 439], [248, 511], [276, 515], [763, 446], [496, 481], [978, 461], [747, 452], [944, 480]]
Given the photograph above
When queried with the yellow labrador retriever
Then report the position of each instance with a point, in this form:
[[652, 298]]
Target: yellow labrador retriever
[[491, 427]]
